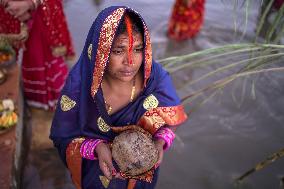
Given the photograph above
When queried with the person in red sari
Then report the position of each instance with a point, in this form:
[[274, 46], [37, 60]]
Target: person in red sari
[[186, 19], [48, 46], [278, 3]]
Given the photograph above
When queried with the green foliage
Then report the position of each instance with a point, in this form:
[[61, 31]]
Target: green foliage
[[234, 61]]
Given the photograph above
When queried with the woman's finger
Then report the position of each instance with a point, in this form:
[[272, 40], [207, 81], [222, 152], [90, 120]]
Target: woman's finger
[[16, 15], [25, 17], [105, 169], [19, 14], [111, 167], [18, 8], [5, 2], [11, 9], [160, 158], [161, 154], [118, 176]]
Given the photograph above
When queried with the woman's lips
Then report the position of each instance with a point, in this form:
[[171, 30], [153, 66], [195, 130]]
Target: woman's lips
[[126, 73]]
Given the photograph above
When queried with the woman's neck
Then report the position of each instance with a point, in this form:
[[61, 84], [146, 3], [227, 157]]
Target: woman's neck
[[117, 85], [117, 94]]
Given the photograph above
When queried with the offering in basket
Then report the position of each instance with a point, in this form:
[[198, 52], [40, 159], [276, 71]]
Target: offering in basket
[[8, 117], [7, 55]]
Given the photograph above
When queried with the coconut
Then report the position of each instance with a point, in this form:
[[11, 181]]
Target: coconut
[[134, 152]]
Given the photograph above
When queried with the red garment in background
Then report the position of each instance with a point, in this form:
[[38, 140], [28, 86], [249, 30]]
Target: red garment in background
[[278, 3], [186, 19], [43, 68], [8, 24]]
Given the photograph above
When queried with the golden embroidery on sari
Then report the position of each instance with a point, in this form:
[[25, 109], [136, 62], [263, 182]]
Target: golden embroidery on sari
[[150, 102], [104, 181], [107, 34], [66, 103], [103, 126], [90, 48], [173, 115], [148, 55], [151, 121]]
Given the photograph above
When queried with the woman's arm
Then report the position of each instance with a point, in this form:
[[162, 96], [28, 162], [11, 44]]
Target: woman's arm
[[164, 138]]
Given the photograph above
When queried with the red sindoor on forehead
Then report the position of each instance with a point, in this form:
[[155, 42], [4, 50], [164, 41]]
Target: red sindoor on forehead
[[128, 24]]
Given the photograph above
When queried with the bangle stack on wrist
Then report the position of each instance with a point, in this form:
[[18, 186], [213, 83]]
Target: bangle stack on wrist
[[88, 147], [167, 135]]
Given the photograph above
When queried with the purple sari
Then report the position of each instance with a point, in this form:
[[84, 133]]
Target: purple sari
[[81, 111]]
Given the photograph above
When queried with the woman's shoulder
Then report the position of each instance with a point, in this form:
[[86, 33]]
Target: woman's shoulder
[[158, 71]]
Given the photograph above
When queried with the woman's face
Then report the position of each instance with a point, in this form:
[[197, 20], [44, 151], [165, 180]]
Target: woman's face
[[119, 66]]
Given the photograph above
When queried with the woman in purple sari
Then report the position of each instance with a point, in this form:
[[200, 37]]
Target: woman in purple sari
[[114, 84]]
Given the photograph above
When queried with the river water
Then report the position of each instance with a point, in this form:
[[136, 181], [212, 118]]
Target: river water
[[222, 139]]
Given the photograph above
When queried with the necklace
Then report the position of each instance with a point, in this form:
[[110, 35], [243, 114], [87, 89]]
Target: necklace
[[133, 90], [109, 107]]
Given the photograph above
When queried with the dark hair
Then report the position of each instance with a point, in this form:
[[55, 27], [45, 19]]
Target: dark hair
[[137, 25]]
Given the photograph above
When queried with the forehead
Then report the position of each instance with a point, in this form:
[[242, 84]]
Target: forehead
[[123, 38]]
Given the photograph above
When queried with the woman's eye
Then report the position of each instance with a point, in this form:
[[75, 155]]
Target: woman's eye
[[115, 51], [138, 50]]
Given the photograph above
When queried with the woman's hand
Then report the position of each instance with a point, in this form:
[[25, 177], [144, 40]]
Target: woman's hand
[[4, 2], [18, 8], [159, 143], [26, 16], [105, 160]]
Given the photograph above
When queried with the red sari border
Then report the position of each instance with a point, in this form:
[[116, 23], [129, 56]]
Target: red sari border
[[155, 118], [74, 161], [107, 34]]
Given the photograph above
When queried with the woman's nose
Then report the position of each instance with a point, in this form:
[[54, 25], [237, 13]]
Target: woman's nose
[[128, 58], [125, 59]]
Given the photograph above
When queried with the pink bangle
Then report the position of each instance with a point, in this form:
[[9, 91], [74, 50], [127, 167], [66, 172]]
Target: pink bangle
[[167, 135], [88, 147]]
